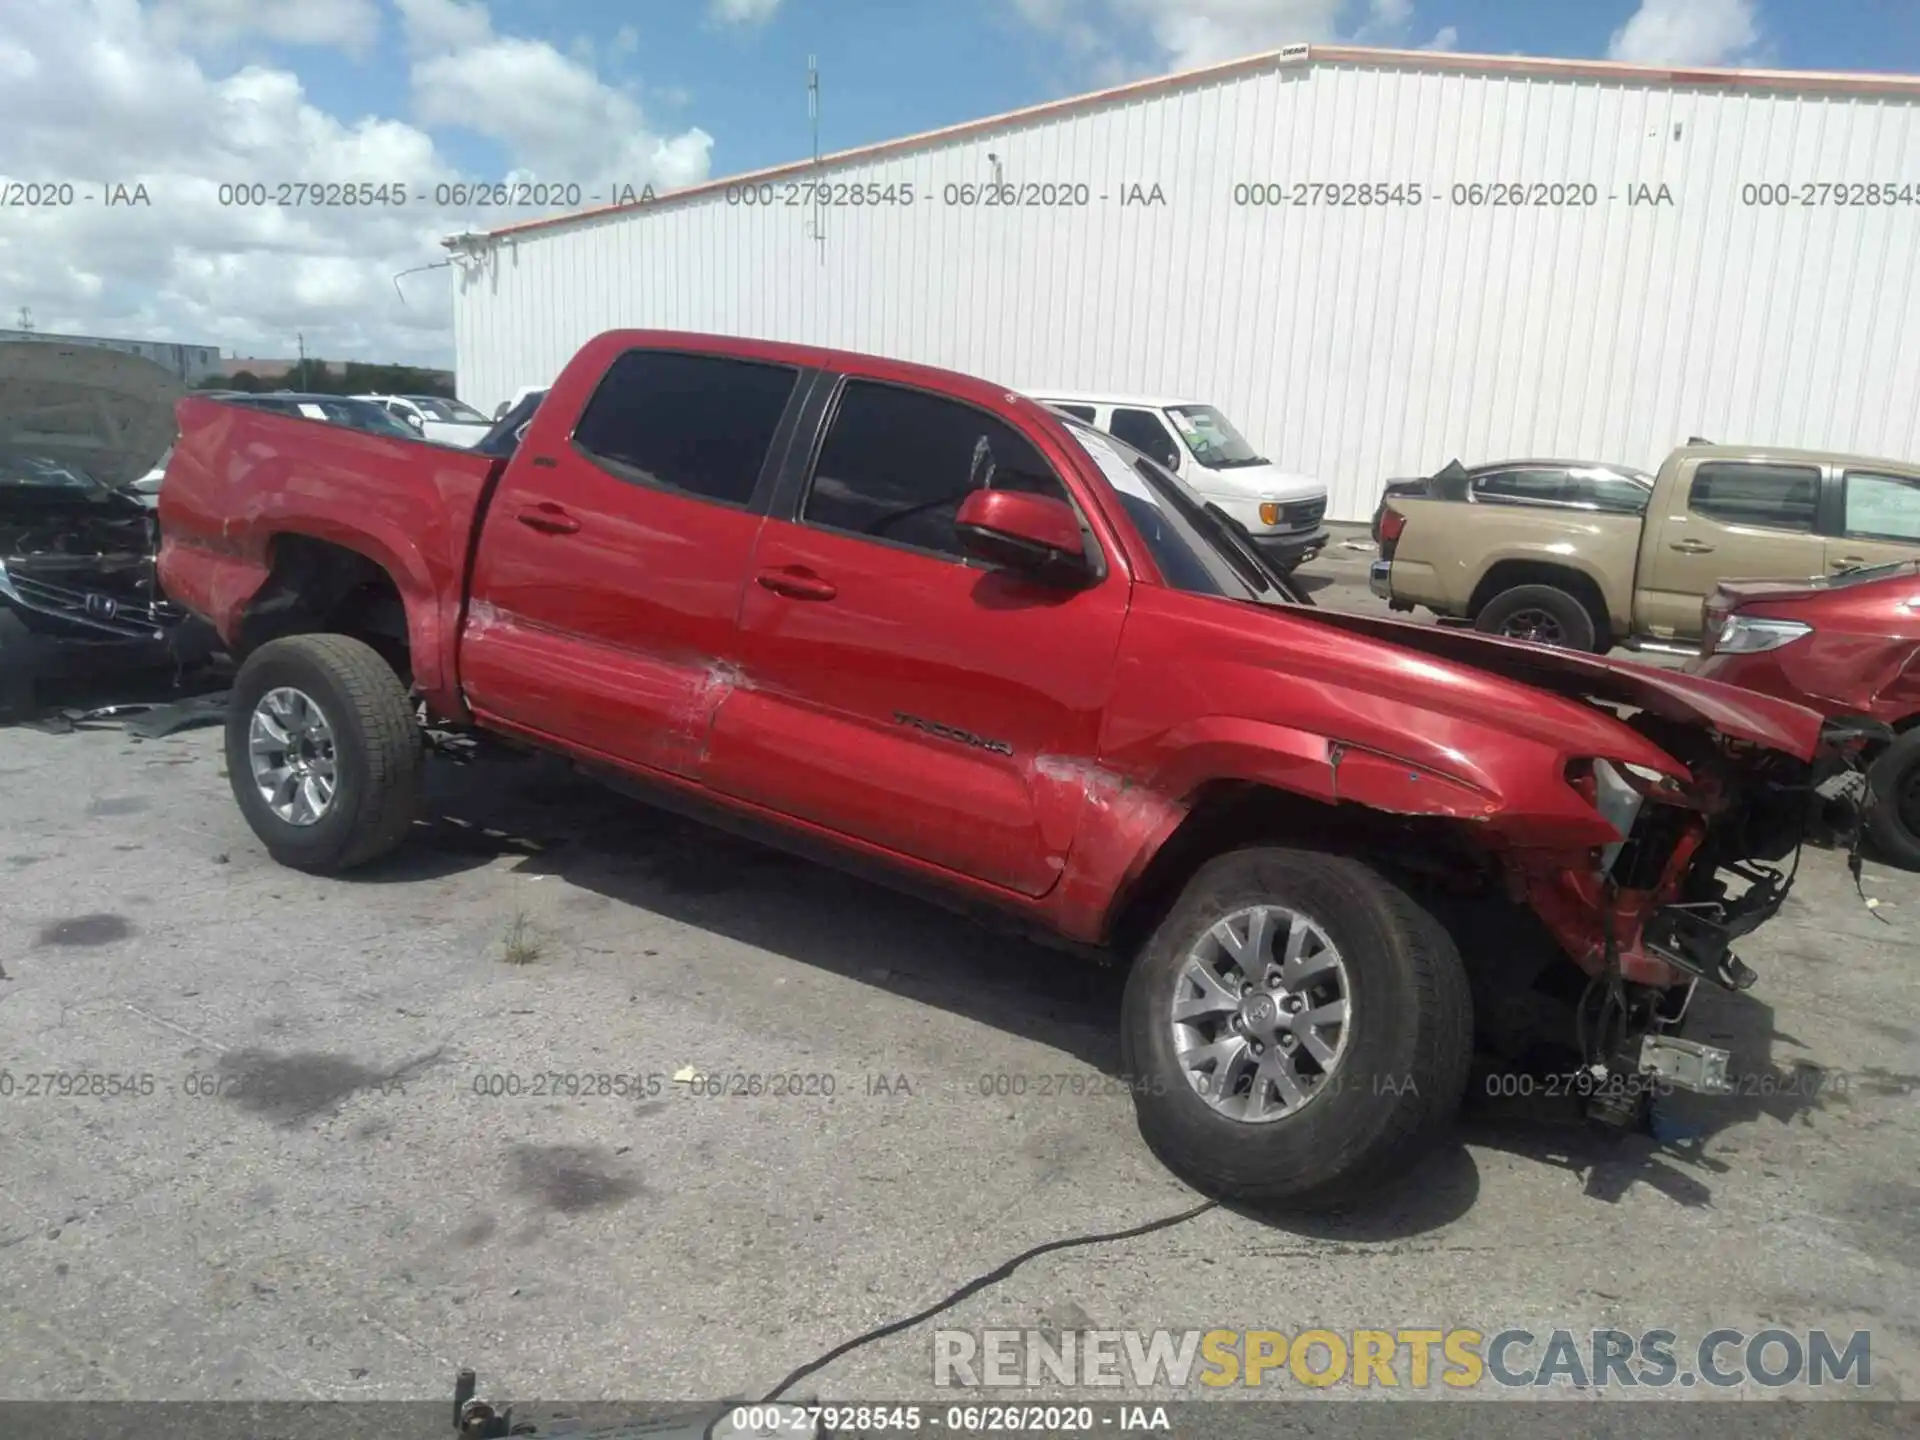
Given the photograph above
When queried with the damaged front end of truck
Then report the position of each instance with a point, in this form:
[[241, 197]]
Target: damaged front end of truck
[[1596, 953], [1705, 858]]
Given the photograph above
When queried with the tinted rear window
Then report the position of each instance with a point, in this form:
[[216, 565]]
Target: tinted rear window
[[701, 424], [1774, 497]]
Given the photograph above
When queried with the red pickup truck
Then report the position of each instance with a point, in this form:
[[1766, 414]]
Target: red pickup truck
[[912, 621]]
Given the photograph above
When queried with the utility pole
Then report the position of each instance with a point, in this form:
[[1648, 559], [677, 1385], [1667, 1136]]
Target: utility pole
[[302, 369], [813, 115], [26, 318]]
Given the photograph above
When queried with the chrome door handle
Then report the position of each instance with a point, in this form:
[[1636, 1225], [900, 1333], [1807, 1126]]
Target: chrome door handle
[[1692, 547]]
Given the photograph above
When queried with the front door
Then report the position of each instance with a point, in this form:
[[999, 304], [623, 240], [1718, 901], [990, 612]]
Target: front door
[[1733, 520], [1879, 520], [609, 573], [896, 692]]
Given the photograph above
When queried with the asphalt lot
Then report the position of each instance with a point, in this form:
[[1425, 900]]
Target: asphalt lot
[[317, 1185]]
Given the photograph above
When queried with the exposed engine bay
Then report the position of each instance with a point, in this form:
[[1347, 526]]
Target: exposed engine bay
[[79, 596]]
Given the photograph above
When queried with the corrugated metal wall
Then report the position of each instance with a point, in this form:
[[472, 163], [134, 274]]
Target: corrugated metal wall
[[1353, 342]]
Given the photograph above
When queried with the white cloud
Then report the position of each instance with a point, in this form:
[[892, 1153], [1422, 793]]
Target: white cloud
[[554, 116], [1188, 34], [742, 12], [107, 91], [350, 25], [434, 26], [1688, 32], [1445, 38]]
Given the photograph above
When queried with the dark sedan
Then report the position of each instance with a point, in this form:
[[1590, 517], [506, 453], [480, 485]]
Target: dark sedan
[[344, 410], [1567, 484]]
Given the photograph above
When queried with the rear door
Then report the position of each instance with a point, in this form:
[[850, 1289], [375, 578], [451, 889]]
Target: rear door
[[609, 572], [896, 692], [1729, 520], [1879, 519]]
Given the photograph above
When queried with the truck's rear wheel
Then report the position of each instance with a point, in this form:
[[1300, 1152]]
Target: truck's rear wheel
[[1296, 1030], [1893, 802], [323, 752], [1543, 614]]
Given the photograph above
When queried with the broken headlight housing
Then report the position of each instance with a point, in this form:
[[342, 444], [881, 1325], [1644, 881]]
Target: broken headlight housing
[[1748, 635]]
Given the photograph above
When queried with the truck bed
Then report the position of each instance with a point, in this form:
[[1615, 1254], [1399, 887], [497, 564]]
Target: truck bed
[[1449, 547], [241, 482]]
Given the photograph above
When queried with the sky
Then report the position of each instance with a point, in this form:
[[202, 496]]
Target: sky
[[174, 99]]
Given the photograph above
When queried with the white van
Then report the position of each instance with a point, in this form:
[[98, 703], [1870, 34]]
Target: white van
[[1283, 512], [450, 422]]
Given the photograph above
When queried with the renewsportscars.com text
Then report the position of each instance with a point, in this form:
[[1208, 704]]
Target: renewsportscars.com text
[[1404, 1358]]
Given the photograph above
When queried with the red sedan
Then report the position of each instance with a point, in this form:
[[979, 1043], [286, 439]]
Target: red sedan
[[1848, 644]]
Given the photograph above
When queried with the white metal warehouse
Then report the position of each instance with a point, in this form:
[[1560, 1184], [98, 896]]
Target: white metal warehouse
[[1373, 261]]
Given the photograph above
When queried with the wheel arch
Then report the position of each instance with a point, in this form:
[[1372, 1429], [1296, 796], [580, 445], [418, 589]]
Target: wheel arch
[[324, 585], [1226, 812]]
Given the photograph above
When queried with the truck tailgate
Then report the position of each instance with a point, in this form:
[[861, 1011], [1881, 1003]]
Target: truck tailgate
[[239, 480]]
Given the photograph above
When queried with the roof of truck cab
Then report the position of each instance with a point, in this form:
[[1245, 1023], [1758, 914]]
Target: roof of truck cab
[[1803, 457], [1612, 467], [1083, 397]]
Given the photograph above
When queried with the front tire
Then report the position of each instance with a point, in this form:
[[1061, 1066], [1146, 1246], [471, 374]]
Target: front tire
[[323, 752], [1357, 1000], [1893, 800]]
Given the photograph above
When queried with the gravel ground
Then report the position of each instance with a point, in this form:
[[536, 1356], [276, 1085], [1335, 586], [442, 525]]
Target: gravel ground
[[329, 1177]]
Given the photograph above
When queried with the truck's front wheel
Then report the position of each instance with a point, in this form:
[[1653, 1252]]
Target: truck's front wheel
[[1296, 1031], [323, 752], [1893, 806]]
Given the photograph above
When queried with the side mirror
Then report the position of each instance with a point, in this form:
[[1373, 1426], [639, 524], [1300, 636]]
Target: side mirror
[[1035, 535], [414, 420]]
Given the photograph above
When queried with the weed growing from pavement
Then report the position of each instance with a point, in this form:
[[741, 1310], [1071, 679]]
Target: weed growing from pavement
[[519, 946]]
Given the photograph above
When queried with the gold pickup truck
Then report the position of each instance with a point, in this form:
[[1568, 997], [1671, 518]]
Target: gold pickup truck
[[1591, 556]]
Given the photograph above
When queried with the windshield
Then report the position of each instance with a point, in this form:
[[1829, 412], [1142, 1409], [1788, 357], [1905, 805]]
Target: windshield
[[1212, 438], [1175, 524], [1861, 574], [362, 415], [435, 407], [23, 471]]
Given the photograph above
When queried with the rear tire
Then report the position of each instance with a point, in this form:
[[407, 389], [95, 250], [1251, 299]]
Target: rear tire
[[1893, 803], [1543, 614], [1399, 1062], [372, 750]]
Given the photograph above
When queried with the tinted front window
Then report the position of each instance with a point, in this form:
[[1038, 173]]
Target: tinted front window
[[1775, 497], [701, 424], [896, 464], [1142, 430], [1079, 412], [1882, 507]]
